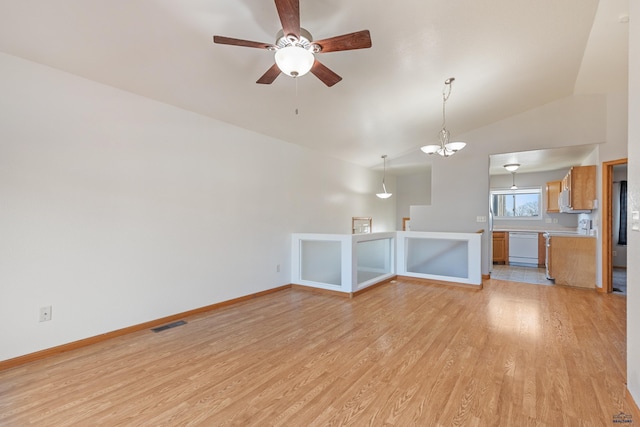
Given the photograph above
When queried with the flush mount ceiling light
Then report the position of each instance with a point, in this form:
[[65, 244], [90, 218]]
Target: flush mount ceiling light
[[446, 147], [385, 194]]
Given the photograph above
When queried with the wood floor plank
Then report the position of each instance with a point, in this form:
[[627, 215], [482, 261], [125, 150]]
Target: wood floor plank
[[406, 353]]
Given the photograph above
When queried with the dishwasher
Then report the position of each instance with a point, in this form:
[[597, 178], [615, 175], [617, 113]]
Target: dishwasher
[[523, 248]]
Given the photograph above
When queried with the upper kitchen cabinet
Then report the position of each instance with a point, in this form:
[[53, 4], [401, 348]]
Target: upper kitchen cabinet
[[578, 191], [553, 189]]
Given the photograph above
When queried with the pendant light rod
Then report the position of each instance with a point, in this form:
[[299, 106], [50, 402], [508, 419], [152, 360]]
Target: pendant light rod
[[384, 194], [512, 167], [446, 93], [446, 147]]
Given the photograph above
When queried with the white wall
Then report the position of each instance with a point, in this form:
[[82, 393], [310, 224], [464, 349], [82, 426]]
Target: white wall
[[116, 209], [633, 248], [411, 189]]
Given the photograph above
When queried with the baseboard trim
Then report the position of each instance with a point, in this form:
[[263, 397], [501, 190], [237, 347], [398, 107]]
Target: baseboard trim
[[441, 283], [632, 402], [321, 291], [486, 276], [369, 288], [42, 354], [341, 294]]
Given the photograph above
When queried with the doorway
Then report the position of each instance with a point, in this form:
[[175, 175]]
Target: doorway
[[612, 172]]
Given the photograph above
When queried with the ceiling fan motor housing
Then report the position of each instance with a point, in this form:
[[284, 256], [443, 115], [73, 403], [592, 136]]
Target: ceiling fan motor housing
[[304, 41]]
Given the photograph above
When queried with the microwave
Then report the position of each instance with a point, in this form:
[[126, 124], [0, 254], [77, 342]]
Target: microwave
[[564, 202]]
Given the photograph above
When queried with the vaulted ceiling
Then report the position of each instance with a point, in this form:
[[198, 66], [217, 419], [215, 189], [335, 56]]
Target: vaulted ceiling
[[507, 57]]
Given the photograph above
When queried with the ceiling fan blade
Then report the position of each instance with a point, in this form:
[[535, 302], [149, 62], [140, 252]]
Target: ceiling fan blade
[[357, 40], [271, 74], [239, 42], [289, 13], [327, 76]]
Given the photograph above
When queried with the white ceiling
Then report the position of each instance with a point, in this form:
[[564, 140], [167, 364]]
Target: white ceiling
[[540, 160], [390, 98]]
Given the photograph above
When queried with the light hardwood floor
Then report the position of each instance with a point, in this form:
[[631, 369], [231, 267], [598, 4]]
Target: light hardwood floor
[[402, 354]]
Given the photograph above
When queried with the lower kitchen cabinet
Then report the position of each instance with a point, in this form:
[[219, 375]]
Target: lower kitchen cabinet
[[572, 261], [542, 250], [500, 247]]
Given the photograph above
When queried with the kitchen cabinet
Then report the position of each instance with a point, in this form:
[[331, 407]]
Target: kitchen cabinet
[[578, 192], [542, 250], [500, 247], [572, 261], [553, 193]]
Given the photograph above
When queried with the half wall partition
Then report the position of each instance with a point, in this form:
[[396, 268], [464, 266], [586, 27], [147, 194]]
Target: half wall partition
[[349, 263], [449, 257], [342, 262]]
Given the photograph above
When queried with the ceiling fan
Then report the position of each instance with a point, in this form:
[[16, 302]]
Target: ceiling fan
[[294, 47]]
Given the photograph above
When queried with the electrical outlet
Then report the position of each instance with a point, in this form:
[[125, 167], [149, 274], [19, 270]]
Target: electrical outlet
[[555, 220], [278, 268], [614, 253], [45, 313], [548, 220]]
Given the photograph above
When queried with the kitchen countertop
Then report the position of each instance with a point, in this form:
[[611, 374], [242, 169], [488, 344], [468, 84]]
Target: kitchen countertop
[[556, 232], [536, 230]]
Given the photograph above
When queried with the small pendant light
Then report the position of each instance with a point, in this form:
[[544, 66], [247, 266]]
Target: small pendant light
[[385, 194]]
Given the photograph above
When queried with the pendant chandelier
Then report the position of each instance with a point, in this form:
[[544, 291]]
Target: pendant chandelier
[[446, 148], [384, 194]]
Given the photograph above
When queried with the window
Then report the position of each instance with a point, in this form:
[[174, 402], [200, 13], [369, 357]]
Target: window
[[516, 204]]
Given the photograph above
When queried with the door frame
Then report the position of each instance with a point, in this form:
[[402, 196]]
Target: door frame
[[607, 223]]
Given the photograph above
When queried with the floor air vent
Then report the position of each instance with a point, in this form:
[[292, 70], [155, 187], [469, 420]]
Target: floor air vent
[[169, 326]]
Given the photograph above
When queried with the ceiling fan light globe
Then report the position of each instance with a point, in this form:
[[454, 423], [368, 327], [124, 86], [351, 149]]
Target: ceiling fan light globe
[[384, 195], [294, 61]]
